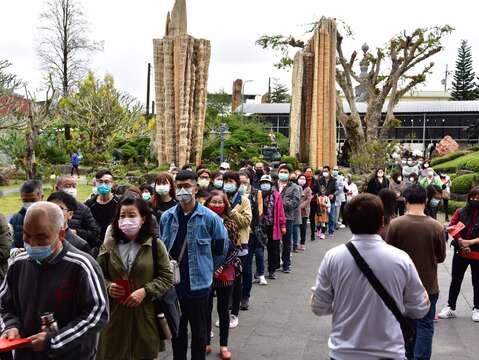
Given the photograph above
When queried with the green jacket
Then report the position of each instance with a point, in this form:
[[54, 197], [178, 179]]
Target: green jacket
[[131, 333], [435, 181]]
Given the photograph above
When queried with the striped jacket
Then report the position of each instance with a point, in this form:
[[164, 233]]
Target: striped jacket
[[72, 287]]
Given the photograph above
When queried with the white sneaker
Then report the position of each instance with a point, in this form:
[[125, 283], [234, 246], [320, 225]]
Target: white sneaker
[[342, 226], [234, 321], [262, 280], [475, 315], [217, 323], [448, 313], [212, 334]]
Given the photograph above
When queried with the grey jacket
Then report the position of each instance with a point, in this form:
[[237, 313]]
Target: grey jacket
[[291, 196]]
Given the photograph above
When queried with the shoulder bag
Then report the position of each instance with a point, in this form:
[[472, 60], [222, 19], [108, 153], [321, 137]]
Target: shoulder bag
[[408, 326]]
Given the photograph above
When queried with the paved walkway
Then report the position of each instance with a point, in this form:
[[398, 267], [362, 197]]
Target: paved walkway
[[280, 324]]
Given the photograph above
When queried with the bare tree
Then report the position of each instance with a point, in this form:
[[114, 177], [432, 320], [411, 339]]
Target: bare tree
[[10, 104], [65, 45]]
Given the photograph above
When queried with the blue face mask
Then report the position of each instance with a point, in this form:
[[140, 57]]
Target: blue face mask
[[435, 202], [283, 177], [38, 253], [103, 189], [229, 188], [242, 189], [265, 187]]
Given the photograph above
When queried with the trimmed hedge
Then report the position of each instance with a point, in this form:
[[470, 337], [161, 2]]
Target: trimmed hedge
[[471, 164], [462, 184], [448, 157], [468, 162], [453, 206]]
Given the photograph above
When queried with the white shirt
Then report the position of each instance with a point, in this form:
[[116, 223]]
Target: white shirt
[[352, 191], [363, 328]]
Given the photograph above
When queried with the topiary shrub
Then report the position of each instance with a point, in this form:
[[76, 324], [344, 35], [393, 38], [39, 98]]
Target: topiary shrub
[[462, 184], [448, 157], [470, 164], [453, 206]]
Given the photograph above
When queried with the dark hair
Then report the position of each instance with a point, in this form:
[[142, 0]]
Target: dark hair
[[231, 175], [326, 167], [63, 197], [102, 173], [248, 173], [202, 193], [186, 175], [389, 200], [186, 167], [415, 194], [214, 193], [31, 186], [472, 193], [432, 190], [146, 230], [146, 187], [355, 210], [216, 174], [202, 171], [285, 167], [120, 190], [395, 175], [414, 176], [161, 179]]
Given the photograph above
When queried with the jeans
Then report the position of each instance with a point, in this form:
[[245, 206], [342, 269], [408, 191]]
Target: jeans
[[195, 312], [459, 268], [421, 348], [332, 219], [286, 249], [223, 295], [255, 249], [273, 251], [296, 235], [304, 227]]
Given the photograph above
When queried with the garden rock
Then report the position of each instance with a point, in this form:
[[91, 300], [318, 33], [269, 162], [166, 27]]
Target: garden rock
[[446, 146]]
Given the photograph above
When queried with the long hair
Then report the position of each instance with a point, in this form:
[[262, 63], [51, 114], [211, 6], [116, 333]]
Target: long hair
[[146, 230], [163, 178], [472, 193], [389, 200]]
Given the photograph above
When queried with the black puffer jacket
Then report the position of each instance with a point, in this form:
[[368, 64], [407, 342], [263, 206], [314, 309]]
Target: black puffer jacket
[[85, 225]]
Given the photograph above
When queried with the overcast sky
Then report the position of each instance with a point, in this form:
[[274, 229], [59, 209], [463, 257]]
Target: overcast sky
[[128, 27]]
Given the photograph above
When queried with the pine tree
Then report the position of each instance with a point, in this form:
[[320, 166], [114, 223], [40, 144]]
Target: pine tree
[[464, 86], [279, 94]]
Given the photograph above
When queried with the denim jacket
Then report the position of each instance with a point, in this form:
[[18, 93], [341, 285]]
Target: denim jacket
[[207, 243]]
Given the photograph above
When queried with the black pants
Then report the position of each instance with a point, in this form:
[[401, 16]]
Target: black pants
[[459, 267], [222, 300], [446, 208], [401, 208], [304, 227], [273, 251], [195, 312], [6, 356], [238, 288], [341, 212], [312, 220], [75, 167], [287, 243]]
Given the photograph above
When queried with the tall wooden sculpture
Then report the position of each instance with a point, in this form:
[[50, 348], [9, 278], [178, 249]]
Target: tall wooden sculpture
[[313, 106], [181, 77]]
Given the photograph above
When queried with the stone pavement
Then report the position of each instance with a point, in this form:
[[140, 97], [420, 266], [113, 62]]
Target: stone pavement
[[281, 326]]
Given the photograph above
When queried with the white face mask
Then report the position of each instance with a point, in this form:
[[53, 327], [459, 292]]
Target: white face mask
[[399, 178], [162, 189], [71, 191], [302, 182]]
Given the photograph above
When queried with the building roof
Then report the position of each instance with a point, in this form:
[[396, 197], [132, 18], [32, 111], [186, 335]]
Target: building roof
[[404, 107]]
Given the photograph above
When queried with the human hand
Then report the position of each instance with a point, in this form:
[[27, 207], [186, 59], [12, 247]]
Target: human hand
[[74, 231], [330, 197], [136, 298], [466, 250], [464, 243], [11, 334], [218, 271], [38, 341], [283, 231], [116, 291]]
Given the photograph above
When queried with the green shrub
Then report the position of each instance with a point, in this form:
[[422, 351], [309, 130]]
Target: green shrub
[[470, 164], [290, 160], [462, 184], [453, 206], [448, 157]]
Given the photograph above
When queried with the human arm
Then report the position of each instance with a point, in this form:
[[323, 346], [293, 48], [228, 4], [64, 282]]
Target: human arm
[[87, 228], [440, 244], [323, 293], [164, 281], [92, 306], [242, 213], [220, 239], [292, 198], [8, 313]]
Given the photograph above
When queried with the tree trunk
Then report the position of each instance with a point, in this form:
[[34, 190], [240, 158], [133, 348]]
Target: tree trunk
[[372, 119]]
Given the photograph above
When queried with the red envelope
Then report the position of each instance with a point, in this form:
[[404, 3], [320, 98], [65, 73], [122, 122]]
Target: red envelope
[[456, 229], [9, 345], [126, 286]]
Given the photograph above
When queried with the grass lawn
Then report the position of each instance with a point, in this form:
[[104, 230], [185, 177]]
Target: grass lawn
[[10, 204], [455, 163]]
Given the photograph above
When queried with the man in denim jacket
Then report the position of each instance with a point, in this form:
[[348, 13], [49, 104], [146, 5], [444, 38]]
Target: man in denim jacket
[[204, 238]]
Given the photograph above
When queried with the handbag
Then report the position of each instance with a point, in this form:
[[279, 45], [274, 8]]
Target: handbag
[[408, 326], [226, 277], [167, 307], [260, 235], [175, 265]]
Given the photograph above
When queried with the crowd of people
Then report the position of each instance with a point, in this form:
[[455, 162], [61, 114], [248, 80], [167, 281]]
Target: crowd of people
[[99, 267]]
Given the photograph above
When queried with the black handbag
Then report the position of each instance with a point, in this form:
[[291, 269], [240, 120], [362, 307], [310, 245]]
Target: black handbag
[[168, 304], [408, 326]]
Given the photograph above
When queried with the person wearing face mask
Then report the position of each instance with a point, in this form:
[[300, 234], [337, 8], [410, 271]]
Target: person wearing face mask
[[330, 190], [31, 192], [67, 203], [241, 213], [82, 222], [466, 253], [313, 183], [377, 182], [423, 239], [224, 167], [126, 258], [197, 239], [217, 183], [398, 186], [446, 192], [258, 173], [291, 195], [274, 223], [429, 178], [305, 208], [164, 195], [204, 179], [340, 198], [224, 277], [53, 277], [104, 205], [434, 197], [409, 169]]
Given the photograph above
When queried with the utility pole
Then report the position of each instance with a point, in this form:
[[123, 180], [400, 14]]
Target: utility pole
[[148, 91]]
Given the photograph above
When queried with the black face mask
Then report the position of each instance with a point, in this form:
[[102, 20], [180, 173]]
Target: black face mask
[[260, 172], [474, 204]]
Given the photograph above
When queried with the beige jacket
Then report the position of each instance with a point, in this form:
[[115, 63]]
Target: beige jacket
[[242, 215]]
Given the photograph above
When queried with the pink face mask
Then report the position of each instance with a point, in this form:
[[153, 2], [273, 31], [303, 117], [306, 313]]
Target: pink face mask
[[130, 226]]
